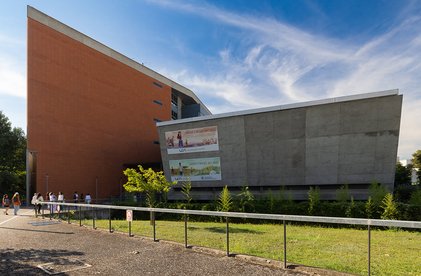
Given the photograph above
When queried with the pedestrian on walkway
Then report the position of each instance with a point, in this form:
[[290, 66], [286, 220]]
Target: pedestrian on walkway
[[88, 198], [60, 198], [34, 202], [53, 207], [40, 199], [16, 203], [6, 203]]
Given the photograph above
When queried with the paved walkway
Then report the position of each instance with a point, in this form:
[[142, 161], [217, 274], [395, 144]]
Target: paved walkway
[[27, 242]]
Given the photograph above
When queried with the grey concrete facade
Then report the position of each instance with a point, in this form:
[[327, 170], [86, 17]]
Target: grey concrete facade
[[349, 140]]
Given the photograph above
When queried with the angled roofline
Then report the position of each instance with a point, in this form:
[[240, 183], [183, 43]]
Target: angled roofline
[[284, 107], [98, 46]]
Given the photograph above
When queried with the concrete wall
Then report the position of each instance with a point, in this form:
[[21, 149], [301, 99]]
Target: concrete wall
[[327, 145]]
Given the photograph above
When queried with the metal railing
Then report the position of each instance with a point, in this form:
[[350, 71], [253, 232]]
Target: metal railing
[[284, 218]]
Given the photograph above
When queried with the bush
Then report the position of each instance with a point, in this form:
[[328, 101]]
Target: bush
[[313, 200], [390, 210]]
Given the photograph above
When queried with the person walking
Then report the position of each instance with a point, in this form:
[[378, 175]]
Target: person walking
[[60, 198], [88, 198], [34, 202], [40, 199], [6, 203], [16, 203]]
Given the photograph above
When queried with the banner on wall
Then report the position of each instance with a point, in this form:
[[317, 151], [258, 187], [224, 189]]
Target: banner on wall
[[192, 140], [199, 169]]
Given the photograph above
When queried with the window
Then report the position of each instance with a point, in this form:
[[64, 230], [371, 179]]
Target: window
[[157, 102], [156, 142], [174, 115], [174, 99], [157, 120], [157, 84]]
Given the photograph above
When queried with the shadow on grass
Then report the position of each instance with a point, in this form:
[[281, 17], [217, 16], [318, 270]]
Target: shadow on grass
[[224, 229], [25, 261]]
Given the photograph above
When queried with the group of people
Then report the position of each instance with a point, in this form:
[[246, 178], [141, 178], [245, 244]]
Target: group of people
[[16, 202], [80, 199], [37, 201]]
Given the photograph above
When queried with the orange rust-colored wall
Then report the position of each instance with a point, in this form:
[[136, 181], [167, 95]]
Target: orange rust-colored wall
[[88, 114]]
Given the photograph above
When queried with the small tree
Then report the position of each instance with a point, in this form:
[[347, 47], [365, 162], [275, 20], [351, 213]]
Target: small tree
[[313, 200], [377, 193], [390, 210], [148, 182], [342, 194], [246, 199], [225, 200], [369, 207], [350, 210], [185, 190]]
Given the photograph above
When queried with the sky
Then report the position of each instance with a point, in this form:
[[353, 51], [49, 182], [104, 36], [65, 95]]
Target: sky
[[243, 54]]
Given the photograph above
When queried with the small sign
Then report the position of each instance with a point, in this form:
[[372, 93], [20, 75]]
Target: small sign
[[129, 215]]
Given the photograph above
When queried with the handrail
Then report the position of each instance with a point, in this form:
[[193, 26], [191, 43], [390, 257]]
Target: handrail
[[316, 219], [227, 215]]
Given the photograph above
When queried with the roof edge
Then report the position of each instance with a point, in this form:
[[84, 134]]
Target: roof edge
[[98, 46], [354, 97]]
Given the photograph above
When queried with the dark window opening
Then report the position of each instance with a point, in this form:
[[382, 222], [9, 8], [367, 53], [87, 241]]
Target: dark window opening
[[157, 102], [157, 120], [157, 84]]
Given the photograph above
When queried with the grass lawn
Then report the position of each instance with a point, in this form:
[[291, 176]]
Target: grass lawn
[[393, 252]]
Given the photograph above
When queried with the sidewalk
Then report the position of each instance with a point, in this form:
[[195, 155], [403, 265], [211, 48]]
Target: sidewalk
[[28, 243]]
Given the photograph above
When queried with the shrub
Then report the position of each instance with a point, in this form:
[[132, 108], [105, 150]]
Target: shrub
[[225, 200], [313, 200], [369, 208], [390, 210], [377, 192], [246, 200]]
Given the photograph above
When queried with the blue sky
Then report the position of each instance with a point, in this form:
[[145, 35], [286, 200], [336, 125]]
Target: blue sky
[[238, 55]]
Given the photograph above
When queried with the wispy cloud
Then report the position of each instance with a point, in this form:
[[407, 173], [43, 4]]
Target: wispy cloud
[[12, 79], [285, 64]]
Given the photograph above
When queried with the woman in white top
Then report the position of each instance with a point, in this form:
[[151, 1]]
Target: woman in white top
[[60, 198]]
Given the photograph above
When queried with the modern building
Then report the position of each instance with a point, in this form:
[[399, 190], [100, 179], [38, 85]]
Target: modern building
[[92, 111], [327, 143]]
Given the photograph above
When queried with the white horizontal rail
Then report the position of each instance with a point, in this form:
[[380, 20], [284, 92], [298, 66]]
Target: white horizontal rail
[[334, 220]]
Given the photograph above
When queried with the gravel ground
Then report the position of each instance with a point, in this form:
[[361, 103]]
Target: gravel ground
[[27, 242]]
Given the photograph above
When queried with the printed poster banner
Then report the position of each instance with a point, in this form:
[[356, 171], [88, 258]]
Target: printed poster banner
[[200, 169], [192, 140]]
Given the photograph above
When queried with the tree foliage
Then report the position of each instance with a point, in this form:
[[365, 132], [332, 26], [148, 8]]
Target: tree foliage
[[402, 175], [12, 157], [225, 200], [185, 190], [390, 209], [246, 199], [147, 181], [313, 200], [377, 192]]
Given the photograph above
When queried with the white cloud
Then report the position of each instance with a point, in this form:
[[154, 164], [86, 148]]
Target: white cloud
[[284, 64], [12, 80]]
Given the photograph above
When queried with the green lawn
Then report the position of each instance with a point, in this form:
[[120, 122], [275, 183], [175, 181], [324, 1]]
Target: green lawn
[[393, 252]]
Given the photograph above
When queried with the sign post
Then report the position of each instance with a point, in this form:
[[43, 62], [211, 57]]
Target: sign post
[[129, 218]]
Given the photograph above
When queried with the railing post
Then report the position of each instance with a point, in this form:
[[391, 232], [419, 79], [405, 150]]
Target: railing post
[[369, 249], [185, 230], [285, 245], [154, 226], [109, 220], [42, 208], [68, 214], [93, 218], [51, 211], [228, 237], [80, 216], [130, 229]]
